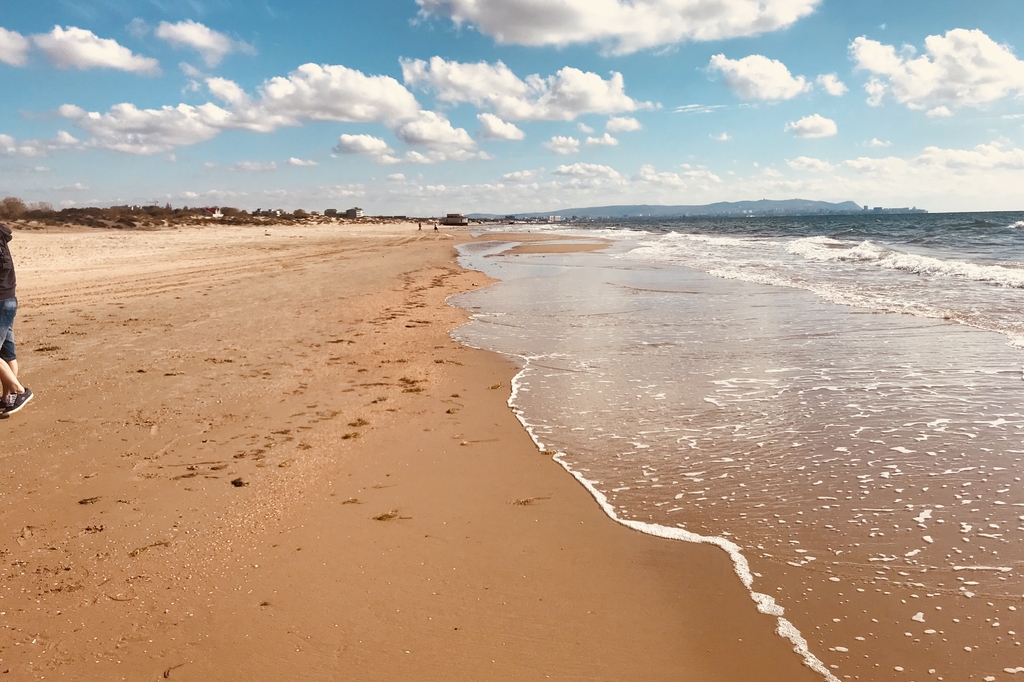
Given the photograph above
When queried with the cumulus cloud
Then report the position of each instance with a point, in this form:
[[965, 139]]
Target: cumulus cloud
[[805, 163], [13, 48], [622, 26], [82, 49], [9, 146], [587, 170], [584, 128], [520, 176], [301, 163], [560, 144], [605, 140], [831, 84], [622, 124], [496, 129], [960, 69], [367, 145], [435, 132], [758, 77], [562, 97], [982, 157], [312, 92], [212, 45], [254, 166], [648, 174], [337, 93], [813, 126], [126, 128], [721, 137], [876, 143]]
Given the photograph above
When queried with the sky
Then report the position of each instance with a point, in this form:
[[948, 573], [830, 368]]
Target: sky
[[425, 107]]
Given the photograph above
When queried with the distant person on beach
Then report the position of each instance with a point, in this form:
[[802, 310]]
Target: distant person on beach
[[15, 395], [435, 226], [420, 226]]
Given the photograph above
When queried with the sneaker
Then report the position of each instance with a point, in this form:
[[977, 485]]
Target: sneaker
[[16, 401]]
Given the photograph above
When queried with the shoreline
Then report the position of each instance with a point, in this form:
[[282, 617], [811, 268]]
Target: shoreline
[[383, 529]]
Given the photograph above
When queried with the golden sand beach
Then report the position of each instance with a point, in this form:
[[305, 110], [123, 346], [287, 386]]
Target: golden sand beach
[[256, 454]]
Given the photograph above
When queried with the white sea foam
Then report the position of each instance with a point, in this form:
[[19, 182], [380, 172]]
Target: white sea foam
[[827, 249], [1018, 224], [765, 603]]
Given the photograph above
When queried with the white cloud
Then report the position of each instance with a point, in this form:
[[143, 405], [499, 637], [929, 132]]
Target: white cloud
[[212, 45], [82, 49], [138, 28], [310, 93], [704, 176], [813, 126], [560, 144], [648, 174], [960, 69], [562, 97], [397, 177], [126, 128], [189, 70], [939, 112], [721, 137], [366, 145], [587, 170], [520, 176], [876, 143], [982, 157], [435, 132], [254, 166], [301, 163], [9, 146], [698, 108], [605, 140], [496, 129], [337, 93], [758, 77], [805, 163], [13, 48], [620, 25], [832, 85], [584, 128], [622, 124]]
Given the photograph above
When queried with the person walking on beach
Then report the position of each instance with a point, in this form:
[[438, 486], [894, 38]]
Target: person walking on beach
[[15, 395], [435, 226]]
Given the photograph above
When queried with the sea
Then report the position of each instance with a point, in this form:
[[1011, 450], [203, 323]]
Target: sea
[[837, 402]]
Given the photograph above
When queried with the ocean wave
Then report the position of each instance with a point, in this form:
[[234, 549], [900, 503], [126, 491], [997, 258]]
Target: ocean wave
[[1017, 225], [828, 249]]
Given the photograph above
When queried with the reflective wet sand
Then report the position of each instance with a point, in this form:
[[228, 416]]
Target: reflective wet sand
[[868, 465]]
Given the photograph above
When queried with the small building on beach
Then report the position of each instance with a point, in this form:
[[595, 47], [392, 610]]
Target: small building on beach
[[354, 213], [455, 219]]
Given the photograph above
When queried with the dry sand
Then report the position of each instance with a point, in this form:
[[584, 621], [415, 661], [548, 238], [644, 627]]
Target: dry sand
[[257, 455]]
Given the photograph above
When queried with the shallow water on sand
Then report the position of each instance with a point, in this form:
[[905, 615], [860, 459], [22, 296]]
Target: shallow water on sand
[[867, 464]]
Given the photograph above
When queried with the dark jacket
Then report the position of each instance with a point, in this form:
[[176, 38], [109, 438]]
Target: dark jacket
[[7, 279]]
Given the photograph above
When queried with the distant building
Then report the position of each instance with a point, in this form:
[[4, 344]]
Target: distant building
[[455, 219], [332, 212], [354, 213]]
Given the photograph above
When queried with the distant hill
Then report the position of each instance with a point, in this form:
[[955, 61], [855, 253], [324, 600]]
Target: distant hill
[[764, 207]]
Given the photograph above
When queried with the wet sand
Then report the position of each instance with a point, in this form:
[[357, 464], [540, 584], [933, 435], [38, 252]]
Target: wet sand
[[256, 454]]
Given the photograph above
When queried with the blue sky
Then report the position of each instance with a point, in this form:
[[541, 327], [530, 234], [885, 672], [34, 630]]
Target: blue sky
[[429, 106]]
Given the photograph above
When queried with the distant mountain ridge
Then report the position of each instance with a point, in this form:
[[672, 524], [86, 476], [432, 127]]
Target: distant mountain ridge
[[763, 207]]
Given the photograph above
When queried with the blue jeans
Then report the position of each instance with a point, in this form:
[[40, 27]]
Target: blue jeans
[[8, 309]]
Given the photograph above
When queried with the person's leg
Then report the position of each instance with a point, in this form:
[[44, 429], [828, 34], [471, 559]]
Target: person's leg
[[9, 378], [8, 356]]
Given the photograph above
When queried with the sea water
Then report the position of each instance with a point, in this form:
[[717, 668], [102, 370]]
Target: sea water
[[836, 402]]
